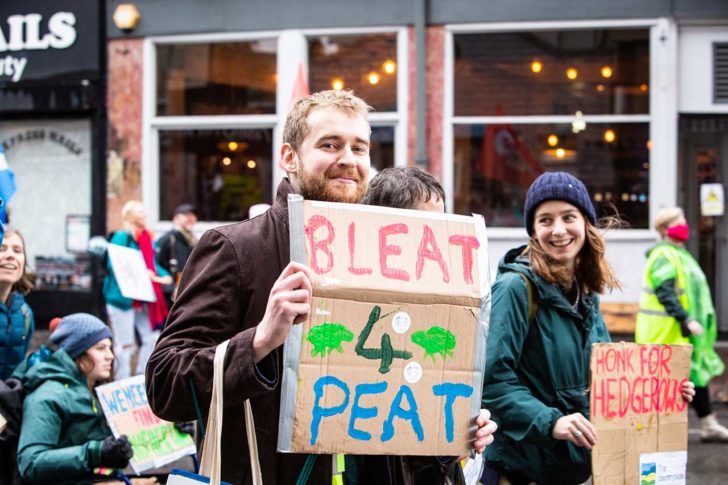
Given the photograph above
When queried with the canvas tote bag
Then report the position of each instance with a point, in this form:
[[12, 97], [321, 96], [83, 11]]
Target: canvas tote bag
[[211, 450]]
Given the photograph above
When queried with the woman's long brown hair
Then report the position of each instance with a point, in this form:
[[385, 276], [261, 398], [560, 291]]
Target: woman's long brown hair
[[27, 279], [593, 272]]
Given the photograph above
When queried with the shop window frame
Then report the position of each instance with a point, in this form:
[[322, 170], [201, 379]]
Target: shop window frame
[[662, 40], [394, 119], [152, 124]]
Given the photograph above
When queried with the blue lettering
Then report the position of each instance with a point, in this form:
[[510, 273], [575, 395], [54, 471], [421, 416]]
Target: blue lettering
[[120, 399], [358, 412], [451, 392], [141, 391], [111, 405], [318, 412], [410, 415], [132, 396]]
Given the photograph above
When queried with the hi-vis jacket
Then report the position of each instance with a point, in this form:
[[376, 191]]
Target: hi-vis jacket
[[655, 325]]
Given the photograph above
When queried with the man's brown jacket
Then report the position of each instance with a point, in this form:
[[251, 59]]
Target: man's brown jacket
[[223, 295]]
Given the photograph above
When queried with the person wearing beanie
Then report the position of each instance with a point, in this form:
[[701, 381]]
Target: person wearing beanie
[[678, 309], [544, 319], [64, 436]]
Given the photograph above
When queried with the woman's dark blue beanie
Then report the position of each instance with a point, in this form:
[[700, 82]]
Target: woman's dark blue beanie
[[557, 186], [79, 332]]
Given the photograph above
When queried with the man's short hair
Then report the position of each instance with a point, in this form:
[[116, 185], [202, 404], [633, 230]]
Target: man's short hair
[[402, 188], [296, 127]]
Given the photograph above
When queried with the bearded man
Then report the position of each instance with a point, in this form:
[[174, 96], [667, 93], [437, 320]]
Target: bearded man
[[239, 284]]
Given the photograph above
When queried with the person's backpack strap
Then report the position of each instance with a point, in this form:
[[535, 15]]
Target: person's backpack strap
[[172, 261], [532, 303], [25, 310]]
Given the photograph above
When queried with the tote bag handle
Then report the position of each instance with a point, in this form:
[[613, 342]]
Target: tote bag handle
[[211, 449]]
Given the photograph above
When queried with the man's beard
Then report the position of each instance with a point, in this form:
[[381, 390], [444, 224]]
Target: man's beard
[[322, 186]]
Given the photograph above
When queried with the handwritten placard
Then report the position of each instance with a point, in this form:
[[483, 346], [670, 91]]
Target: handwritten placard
[[390, 360], [155, 442], [131, 273], [636, 406]]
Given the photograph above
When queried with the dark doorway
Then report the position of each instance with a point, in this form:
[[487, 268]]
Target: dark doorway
[[703, 153]]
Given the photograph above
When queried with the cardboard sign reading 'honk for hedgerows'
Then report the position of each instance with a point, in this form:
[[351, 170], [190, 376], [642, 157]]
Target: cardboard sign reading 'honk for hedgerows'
[[391, 358], [638, 412]]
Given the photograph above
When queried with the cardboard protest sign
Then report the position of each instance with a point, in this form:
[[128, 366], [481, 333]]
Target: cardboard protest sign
[[391, 358], [155, 442], [638, 412], [131, 273]]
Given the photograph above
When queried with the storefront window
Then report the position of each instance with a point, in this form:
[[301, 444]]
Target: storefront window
[[221, 172], [381, 152], [552, 73], [598, 79], [495, 165], [364, 63], [231, 78]]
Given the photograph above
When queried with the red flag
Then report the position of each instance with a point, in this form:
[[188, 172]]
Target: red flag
[[300, 87]]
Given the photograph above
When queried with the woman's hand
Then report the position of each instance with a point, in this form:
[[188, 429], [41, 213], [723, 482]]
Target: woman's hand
[[162, 280], [484, 433], [577, 429], [688, 391], [695, 328]]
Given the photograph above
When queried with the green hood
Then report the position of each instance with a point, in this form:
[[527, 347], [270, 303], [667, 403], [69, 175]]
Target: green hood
[[546, 293], [63, 426], [60, 367]]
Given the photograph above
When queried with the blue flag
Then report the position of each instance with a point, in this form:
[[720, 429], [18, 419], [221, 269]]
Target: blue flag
[[7, 185]]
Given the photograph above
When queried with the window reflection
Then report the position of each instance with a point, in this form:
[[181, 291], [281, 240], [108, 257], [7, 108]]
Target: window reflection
[[216, 79], [381, 151], [552, 72], [221, 172], [495, 165], [362, 63]]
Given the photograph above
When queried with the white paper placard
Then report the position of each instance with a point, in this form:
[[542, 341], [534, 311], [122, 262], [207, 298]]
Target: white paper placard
[[664, 468], [131, 273]]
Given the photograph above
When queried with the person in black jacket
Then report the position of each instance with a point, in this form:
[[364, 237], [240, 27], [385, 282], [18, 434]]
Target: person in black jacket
[[175, 246]]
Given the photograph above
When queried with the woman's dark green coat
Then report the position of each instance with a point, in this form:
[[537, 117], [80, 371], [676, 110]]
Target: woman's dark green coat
[[63, 425], [537, 372]]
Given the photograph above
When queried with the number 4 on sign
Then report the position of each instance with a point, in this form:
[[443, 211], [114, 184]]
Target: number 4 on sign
[[385, 353]]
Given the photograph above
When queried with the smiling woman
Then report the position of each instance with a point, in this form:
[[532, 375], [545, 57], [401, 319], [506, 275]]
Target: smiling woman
[[16, 318], [545, 317]]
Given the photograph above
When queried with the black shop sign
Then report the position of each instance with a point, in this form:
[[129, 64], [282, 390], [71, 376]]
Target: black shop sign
[[43, 40]]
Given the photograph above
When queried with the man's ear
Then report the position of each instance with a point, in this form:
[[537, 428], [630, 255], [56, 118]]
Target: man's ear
[[288, 159]]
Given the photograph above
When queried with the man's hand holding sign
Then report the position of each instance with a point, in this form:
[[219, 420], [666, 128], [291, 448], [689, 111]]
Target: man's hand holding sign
[[289, 304]]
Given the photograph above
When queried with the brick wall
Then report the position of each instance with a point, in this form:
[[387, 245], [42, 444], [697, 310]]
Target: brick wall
[[124, 102]]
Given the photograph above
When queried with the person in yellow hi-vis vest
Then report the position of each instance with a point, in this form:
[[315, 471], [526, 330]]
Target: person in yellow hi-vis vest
[[676, 308]]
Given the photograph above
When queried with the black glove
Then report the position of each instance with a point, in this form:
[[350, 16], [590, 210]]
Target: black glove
[[115, 452], [185, 427]]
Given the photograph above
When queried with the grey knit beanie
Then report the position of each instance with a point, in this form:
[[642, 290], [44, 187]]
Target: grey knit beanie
[[557, 186], [79, 332]]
